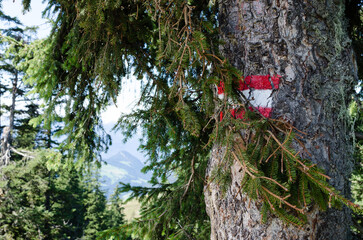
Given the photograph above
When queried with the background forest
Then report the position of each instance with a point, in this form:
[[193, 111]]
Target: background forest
[[41, 197], [56, 88]]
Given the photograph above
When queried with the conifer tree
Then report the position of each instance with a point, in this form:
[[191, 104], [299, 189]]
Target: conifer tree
[[115, 210], [99, 215], [24, 211], [40, 198], [95, 206], [13, 41], [185, 49]]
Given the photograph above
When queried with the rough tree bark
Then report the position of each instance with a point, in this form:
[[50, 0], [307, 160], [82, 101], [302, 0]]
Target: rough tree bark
[[305, 42], [5, 147]]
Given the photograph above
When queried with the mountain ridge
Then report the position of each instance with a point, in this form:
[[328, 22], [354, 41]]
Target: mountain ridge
[[122, 167]]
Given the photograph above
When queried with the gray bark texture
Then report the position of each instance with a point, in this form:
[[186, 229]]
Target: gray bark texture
[[5, 147], [304, 41]]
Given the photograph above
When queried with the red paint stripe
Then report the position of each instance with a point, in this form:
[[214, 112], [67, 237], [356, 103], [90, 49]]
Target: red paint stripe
[[266, 112], [259, 82], [221, 87], [256, 82]]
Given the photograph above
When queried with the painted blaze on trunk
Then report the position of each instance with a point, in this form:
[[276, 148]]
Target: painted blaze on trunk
[[306, 43]]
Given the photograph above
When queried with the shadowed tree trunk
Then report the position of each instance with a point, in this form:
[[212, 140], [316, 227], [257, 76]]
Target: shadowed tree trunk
[[307, 44]]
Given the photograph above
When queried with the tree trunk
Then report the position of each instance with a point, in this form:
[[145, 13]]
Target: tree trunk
[[7, 135], [14, 94], [305, 42]]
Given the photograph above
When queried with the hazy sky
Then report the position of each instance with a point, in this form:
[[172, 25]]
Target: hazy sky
[[125, 100], [32, 18]]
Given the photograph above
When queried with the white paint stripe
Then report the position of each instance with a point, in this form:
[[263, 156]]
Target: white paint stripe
[[221, 96], [259, 98]]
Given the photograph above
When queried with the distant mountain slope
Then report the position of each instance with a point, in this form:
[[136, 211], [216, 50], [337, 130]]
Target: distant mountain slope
[[122, 167]]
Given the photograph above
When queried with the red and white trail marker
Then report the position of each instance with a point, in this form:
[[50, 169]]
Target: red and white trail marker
[[257, 89]]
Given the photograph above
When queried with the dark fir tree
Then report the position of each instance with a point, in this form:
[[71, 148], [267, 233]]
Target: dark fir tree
[[44, 202], [282, 175], [101, 214], [28, 185], [95, 218], [115, 209]]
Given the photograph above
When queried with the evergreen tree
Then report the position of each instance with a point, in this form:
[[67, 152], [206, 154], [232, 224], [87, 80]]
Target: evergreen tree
[[95, 207], [115, 219], [21, 108], [43, 195], [115, 210], [184, 48], [66, 202], [101, 214], [25, 212], [43, 202]]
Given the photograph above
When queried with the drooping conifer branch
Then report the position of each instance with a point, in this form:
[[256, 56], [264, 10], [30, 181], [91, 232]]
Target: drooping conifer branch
[[174, 45], [273, 171]]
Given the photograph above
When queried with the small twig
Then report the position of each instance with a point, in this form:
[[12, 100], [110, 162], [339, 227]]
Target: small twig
[[245, 168], [190, 179], [286, 150], [214, 56], [186, 233], [277, 183], [283, 200]]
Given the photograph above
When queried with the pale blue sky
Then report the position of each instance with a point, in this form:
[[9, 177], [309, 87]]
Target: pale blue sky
[[32, 18]]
